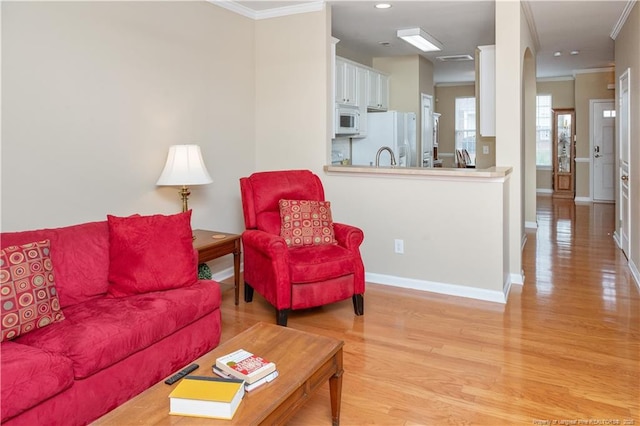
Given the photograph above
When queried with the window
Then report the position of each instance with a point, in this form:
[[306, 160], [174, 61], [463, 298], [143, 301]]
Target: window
[[466, 126], [543, 130]]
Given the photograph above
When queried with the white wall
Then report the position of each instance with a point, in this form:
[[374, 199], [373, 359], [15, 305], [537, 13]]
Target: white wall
[[93, 95], [510, 53]]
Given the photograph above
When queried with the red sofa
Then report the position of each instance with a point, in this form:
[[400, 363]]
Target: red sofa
[[107, 349]]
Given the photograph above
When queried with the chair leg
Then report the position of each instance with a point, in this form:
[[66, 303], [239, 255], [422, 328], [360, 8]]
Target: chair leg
[[248, 292], [358, 304], [281, 316]]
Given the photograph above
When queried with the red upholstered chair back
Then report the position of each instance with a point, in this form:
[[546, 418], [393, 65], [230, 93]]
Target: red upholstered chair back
[[262, 191]]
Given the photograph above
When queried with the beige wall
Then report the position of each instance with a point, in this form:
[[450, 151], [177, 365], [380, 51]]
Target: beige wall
[[627, 54], [445, 104], [292, 80], [94, 93], [404, 81], [561, 90]]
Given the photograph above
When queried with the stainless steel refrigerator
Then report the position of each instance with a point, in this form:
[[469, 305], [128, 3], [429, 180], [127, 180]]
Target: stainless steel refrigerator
[[393, 129]]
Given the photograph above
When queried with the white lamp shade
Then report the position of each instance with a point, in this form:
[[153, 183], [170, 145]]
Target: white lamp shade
[[184, 167]]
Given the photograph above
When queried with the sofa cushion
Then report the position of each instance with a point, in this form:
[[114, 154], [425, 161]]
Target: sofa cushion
[[150, 253], [306, 223], [80, 257], [29, 376], [103, 331], [319, 263], [27, 289]]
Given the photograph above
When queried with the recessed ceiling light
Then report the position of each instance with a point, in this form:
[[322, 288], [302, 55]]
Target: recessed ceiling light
[[575, 52], [382, 6], [557, 53]]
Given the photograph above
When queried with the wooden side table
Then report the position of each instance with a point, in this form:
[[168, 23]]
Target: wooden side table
[[214, 244]]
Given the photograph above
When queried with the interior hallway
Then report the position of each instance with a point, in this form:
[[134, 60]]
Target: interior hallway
[[565, 348]]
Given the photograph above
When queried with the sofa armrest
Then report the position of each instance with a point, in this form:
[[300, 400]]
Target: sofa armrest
[[348, 236]]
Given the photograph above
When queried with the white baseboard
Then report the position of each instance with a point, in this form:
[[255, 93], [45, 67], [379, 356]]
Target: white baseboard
[[441, 288], [223, 274], [616, 238], [517, 278], [635, 273], [544, 191], [583, 200], [531, 225]]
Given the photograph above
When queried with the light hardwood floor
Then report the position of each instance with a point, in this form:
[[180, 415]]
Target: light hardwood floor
[[565, 348]]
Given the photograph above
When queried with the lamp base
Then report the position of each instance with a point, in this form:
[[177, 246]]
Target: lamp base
[[184, 193]]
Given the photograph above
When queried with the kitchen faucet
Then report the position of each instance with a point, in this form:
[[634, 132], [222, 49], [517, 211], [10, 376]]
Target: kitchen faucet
[[385, 148]]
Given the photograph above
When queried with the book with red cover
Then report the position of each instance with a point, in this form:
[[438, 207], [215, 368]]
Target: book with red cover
[[245, 365]]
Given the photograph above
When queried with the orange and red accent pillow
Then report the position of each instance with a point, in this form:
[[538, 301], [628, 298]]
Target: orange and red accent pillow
[[27, 289], [306, 223]]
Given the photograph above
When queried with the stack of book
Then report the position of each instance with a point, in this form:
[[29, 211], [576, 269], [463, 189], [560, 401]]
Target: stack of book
[[201, 396], [243, 365]]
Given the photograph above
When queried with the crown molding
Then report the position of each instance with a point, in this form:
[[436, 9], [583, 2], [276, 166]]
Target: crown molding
[[551, 79], [592, 70], [623, 18], [528, 14], [312, 6]]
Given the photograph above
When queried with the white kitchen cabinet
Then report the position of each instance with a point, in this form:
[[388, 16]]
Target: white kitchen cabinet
[[378, 91], [487, 90], [346, 83], [362, 101]]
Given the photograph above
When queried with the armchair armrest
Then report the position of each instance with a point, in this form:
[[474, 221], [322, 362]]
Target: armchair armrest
[[348, 236], [269, 244]]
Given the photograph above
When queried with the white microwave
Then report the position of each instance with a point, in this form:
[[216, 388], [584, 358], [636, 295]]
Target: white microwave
[[347, 120]]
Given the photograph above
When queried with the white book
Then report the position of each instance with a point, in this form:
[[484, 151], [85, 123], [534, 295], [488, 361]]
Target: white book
[[248, 387], [244, 365]]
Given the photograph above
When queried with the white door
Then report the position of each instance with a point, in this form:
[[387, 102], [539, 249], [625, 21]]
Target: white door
[[426, 134], [603, 123], [625, 139]]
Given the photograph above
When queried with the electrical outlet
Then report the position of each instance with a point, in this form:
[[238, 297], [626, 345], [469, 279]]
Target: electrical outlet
[[399, 246], [485, 149]]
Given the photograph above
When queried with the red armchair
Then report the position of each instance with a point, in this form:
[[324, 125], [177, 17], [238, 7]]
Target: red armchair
[[295, 277]]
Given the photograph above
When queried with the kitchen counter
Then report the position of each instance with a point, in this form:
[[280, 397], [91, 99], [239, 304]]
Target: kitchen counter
[[437, 173]]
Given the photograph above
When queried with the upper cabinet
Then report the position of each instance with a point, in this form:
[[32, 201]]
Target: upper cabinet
[[361, 86], [346, 83], [378, 91], [487, 90]]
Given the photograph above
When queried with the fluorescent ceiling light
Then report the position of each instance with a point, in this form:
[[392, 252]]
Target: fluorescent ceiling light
[[420, 39], [382, 6]]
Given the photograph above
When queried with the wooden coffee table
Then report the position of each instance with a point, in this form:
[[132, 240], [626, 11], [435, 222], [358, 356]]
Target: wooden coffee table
[[304, 361]]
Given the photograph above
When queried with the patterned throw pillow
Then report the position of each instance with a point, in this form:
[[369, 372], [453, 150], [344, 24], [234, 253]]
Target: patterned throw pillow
[[27, 289], [306, 223]]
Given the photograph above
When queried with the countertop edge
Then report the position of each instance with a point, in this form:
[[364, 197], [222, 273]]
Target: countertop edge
[[490, 173]]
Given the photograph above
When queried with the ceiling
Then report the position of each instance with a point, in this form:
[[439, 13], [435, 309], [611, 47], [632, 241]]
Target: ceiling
[[557, 26]]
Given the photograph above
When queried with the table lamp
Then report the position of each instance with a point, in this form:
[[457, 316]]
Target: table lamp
[[184, 167]]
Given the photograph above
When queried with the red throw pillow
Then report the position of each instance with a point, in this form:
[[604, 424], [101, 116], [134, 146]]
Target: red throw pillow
[[150, 253], [306, 223], [27, 289]]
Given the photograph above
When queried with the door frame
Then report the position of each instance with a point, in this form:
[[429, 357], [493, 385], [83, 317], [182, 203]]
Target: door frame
[[623, 214], [592, 102]]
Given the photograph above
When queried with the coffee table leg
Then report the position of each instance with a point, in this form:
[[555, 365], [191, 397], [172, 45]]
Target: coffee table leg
[[335, 390]]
